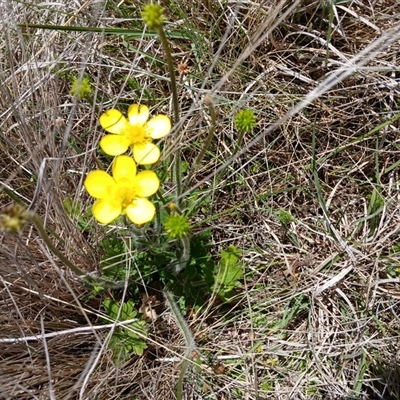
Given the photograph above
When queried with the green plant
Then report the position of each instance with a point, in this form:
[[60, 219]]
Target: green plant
[[153, 236], [130, 338], [228, 273]]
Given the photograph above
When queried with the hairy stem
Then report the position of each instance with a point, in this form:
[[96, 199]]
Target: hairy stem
[[208, 101], [188, 337], [177, 161], [92, 280], [184, 259]]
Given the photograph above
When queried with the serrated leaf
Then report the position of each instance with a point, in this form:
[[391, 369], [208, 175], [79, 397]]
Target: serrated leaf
[[138, 346], [124, 343], [111, 307], [120, 347], [127, 311]]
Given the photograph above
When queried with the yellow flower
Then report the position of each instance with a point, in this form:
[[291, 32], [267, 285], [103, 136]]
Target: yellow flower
[[135, 132], [125, 192]]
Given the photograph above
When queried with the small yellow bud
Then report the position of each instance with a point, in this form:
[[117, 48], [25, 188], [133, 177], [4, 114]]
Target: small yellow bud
[[245, 120], [14, 218], [81, 89], [177, 226], [153, 15]]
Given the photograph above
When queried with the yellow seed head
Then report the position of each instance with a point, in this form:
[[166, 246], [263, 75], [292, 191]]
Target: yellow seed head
[[177, 226], [245, 120], [81, 89], [153, 15], [14, 218]]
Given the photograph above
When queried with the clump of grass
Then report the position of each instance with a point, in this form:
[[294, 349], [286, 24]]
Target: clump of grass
[[310, 198]]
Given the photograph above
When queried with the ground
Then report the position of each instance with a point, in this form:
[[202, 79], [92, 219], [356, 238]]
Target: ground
[[309, 198]]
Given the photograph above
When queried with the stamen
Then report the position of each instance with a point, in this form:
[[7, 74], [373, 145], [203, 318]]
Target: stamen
[[137, 135]]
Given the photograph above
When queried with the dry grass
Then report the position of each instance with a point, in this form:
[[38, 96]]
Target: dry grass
[[318, 316]]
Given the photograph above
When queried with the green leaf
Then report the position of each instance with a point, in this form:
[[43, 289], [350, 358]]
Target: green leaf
[[132, 33], [127, 311], [72, 208], [124, 346], [230, 269], [126, 340], [111, 307], [396, 249], [228, 272], [97, 289], [375, 207]]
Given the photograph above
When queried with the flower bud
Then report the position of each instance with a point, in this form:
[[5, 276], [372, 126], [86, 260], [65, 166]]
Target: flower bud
[[177, 226], [81, 88], [153, 15], [245, 120], [14, 218]]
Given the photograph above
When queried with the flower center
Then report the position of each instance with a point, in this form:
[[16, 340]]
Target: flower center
[[130, 197], [137, 135], [124, 194]]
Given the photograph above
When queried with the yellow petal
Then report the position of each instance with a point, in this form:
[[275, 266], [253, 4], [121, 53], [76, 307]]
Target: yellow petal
[[112, 121], [147, 183], [147, 154], [114, 145], [124, 167], [105, 211], [138, 115], [141, 211], [97, 183], [159, 126]]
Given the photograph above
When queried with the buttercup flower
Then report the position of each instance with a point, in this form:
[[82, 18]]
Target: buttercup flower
[[125, 192], [135, 132]]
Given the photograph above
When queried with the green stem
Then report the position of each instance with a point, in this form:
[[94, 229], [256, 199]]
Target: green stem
[[170, 62], [177, 160], [42, 231], [93, 280], [89, 99], [184, 259], [189, 340], [239, 142], [11, 194], [208, 101]]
